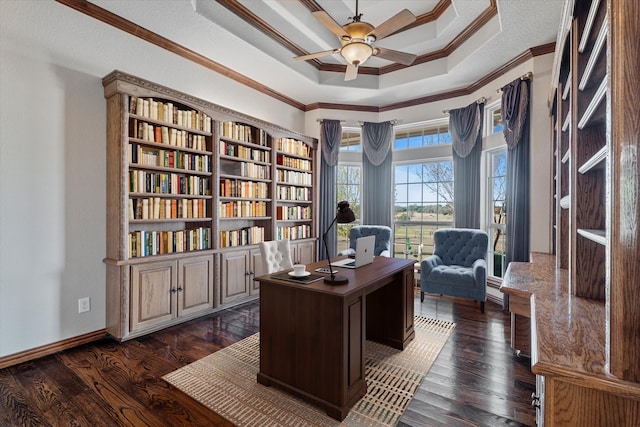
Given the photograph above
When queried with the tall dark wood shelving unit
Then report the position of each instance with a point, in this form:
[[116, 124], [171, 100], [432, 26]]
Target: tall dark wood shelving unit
[[586, 322]]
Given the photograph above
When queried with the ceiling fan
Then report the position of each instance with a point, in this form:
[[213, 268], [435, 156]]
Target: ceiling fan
[[358, 37]]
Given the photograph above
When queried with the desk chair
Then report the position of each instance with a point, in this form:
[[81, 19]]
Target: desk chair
[[276, 255]]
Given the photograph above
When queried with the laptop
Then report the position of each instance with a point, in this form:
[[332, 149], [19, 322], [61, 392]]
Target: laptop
[[364, 254]]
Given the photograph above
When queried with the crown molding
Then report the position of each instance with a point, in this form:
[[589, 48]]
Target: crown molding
[[488, 78], [135, 30]]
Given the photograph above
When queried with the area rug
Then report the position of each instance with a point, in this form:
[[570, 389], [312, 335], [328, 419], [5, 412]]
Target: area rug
[[225, 382]]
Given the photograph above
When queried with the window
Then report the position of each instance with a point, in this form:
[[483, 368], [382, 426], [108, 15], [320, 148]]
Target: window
[[493, 118], [423, 203], [496, 215], [350, 140], [348, 182], [433, 133]]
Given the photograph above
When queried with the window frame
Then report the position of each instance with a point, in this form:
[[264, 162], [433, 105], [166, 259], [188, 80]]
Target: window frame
[[423, 249], [489, 111], [488, 200]]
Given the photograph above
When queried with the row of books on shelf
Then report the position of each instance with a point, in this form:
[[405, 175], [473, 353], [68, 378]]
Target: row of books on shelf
[[159, 208], [149, 243], [141, 181], [289, 213], [165, 135], [168, 158], [295, 177], [294, 232], [293, 146], [251, 170], [169, 113], [241, 237], [242, 132], [292, 193], [243, 209], [241, 188], [242, 152], [292, 162]]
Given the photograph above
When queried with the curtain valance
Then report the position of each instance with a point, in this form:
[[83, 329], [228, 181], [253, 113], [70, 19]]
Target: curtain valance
[[515, 105], [464, 126], [376, 141], [330, 138]]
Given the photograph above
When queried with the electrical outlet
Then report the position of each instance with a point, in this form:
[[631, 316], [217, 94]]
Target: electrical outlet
[[84, 305]]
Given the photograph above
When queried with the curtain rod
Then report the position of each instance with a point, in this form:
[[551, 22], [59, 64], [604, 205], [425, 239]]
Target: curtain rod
[[321, 120], [526, 76], [393, 122], [478, 101]]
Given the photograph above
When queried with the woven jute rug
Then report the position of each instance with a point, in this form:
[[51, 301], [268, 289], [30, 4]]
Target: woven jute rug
[[225, 382]]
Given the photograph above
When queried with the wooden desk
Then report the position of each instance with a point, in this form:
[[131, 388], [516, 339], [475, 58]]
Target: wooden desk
[[312, 337]]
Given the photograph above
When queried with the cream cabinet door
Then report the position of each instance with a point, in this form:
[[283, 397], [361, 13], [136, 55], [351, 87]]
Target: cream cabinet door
[[153, 286], [235, 276], [195, 285], [304, 252]]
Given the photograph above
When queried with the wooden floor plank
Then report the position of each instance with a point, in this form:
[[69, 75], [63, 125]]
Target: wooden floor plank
[[476, 380]]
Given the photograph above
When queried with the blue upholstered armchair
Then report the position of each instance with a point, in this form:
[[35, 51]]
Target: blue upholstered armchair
[[458, 266], [383, 239]]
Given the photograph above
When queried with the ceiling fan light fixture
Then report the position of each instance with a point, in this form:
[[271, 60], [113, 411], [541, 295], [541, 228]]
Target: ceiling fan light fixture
[[356, 53]]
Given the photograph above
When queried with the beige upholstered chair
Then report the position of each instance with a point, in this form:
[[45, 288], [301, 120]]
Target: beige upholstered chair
[[276, 255]]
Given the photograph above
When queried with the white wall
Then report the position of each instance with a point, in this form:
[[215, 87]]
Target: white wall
[[53, 155]]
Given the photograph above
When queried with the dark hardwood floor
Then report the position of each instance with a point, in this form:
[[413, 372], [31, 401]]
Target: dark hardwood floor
[[476, 380]]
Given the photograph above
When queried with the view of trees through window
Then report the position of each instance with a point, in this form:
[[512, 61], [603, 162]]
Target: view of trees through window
[[423, 195], [497, 220], [348, 188]]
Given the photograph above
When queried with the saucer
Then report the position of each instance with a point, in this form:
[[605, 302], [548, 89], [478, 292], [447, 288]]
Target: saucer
[[293, 274]]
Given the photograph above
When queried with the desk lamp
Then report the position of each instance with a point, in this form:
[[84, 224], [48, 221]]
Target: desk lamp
[[344, 216]]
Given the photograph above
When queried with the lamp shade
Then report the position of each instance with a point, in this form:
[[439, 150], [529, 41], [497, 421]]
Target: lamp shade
[[356, 53], [344, 215]]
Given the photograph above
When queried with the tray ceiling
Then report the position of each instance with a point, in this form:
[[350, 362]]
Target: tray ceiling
[[457, 42]]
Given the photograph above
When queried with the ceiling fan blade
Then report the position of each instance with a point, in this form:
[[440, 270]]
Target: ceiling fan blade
[[328, 22], [352, 73], [394, 55], [316, 55], [393, 24]]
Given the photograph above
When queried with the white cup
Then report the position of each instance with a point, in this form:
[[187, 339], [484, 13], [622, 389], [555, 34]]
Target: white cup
[[299, 269]]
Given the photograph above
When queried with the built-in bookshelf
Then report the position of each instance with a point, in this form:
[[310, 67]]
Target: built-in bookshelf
[[245, 185], [585, 348], [169, 177], [192, 188], [294, 189]]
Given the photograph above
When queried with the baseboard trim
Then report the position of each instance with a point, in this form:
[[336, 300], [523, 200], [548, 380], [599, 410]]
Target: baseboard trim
[[494, 299], [45, 350]]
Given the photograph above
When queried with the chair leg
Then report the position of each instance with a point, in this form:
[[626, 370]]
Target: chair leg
[[482, 306], [421, 296]]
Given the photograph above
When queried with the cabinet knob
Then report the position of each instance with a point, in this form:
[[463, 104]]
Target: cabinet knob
[[180, 289], [535, 401], [174, 290]]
